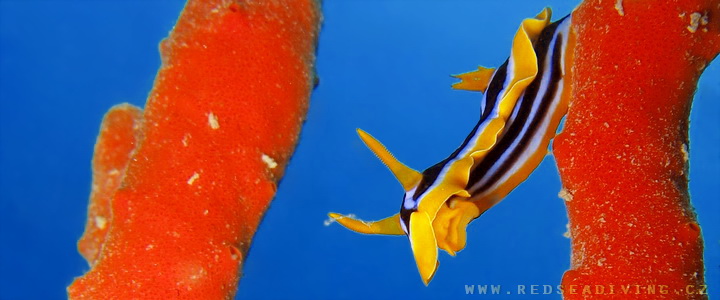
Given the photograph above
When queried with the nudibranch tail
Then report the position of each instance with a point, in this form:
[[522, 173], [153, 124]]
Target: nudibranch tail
[[408, 177], [424, 245], [388, 226]]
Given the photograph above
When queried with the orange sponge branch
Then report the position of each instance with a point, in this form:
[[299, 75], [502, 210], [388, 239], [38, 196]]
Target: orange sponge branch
[[180, 189], [623, 154], [120, 133]]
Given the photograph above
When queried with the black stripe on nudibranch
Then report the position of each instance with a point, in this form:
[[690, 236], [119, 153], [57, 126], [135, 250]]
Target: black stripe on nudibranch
[[405, 218]]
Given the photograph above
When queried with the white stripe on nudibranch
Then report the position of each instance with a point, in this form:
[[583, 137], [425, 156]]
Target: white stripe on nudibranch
[[564, 28], [409, 199]]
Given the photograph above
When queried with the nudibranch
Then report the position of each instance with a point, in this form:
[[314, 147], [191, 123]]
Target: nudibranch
[[522, 105]]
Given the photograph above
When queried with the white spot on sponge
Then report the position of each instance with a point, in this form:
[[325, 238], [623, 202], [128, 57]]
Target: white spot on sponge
[[619, 7], [213, 121], [100, 222], [269, 161], [565, 195], [192, 179], [186, 140], [601, 262], [694, 22]]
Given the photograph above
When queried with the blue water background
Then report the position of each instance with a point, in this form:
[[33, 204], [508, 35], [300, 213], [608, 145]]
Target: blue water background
[[383, 67]]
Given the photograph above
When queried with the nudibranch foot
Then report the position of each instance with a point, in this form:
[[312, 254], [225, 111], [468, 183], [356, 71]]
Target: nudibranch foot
[[424, 245]]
